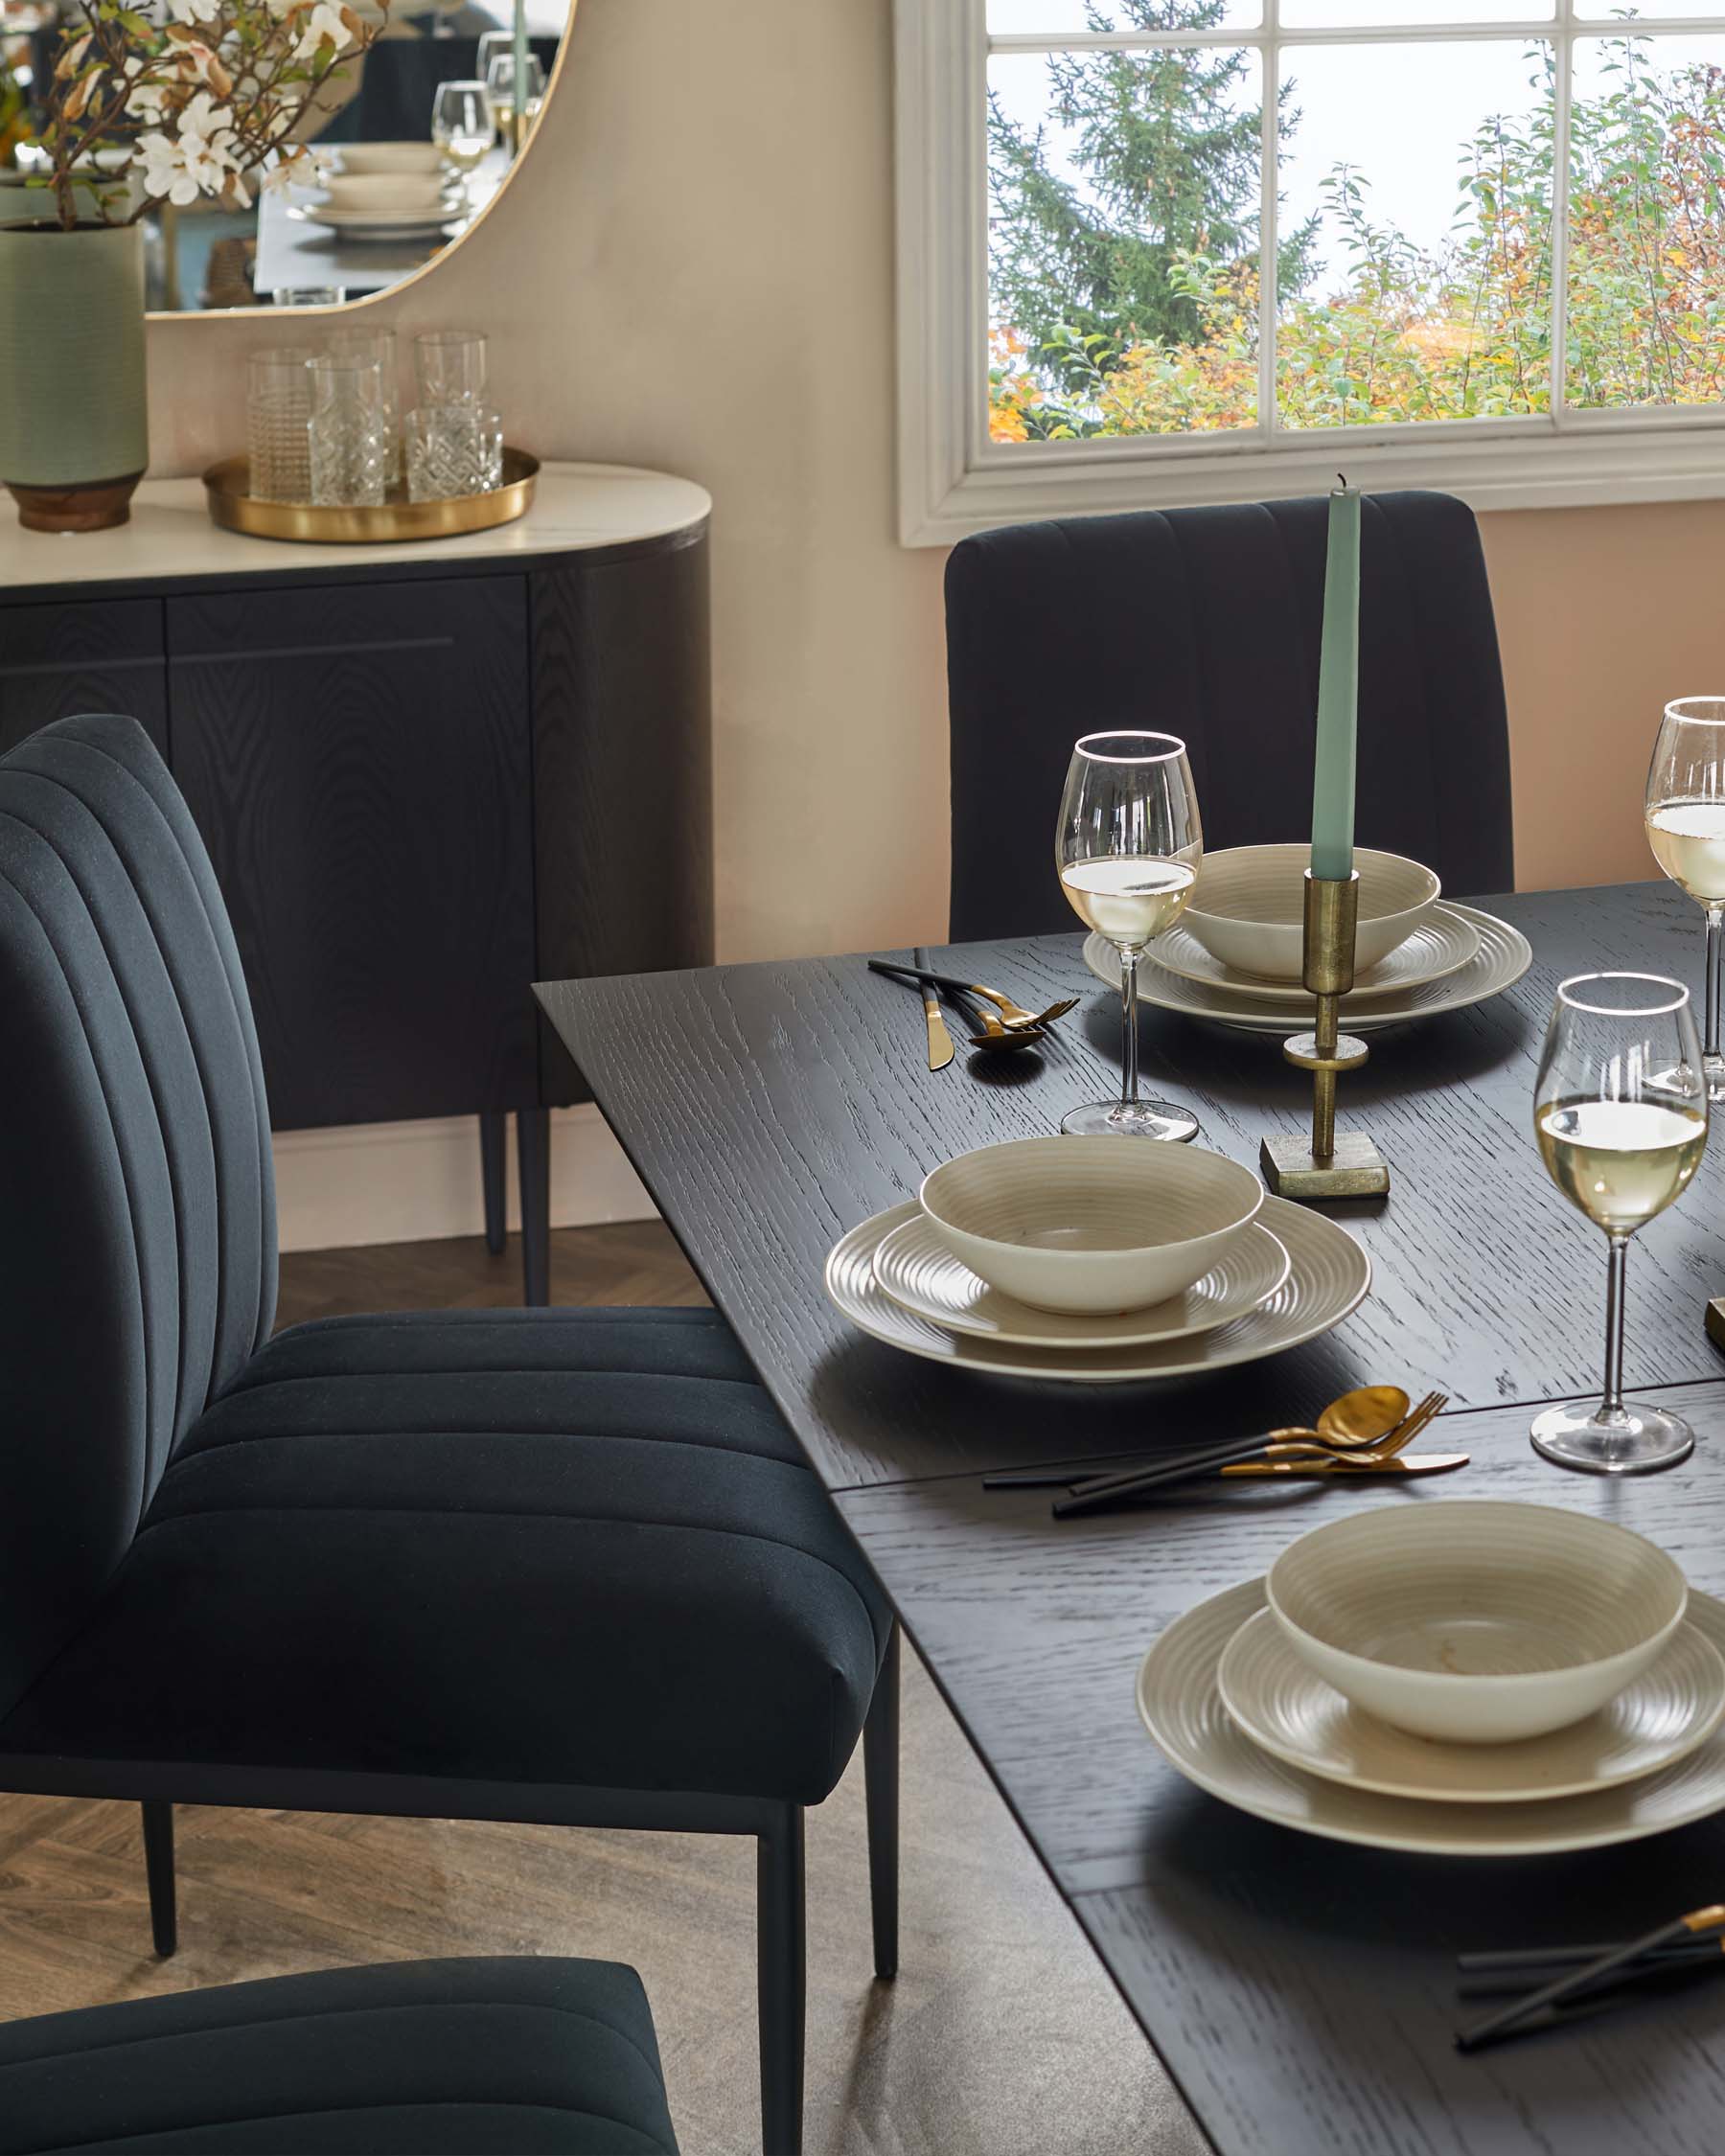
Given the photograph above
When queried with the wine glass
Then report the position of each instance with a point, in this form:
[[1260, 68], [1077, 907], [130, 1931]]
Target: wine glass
[[500, 88], [464, 127], [1619, 1109], [1684, 820], [1127, 847]]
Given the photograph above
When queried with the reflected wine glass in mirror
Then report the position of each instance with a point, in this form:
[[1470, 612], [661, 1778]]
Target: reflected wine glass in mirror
[[465, 129], [1620, 1113], [1684, 820], [1127, 848], [500, 88]]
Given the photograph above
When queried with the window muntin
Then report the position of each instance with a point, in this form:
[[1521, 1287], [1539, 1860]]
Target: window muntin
[[1422, 138]]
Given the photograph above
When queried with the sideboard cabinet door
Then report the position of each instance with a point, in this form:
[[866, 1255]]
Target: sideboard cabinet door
[[359, 759], [66, 662]]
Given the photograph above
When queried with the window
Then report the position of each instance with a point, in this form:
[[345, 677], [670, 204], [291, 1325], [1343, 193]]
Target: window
[[1154, 252]]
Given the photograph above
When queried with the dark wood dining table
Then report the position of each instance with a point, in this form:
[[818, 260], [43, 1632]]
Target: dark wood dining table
[[1301, 1992]]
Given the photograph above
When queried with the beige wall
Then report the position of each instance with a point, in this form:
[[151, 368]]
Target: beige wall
[[695, 272]]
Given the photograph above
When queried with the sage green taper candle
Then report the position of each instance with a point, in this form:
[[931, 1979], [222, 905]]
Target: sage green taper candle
[[1338, 693]]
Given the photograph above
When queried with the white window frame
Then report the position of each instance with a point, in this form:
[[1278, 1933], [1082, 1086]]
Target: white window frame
[[953, 480]]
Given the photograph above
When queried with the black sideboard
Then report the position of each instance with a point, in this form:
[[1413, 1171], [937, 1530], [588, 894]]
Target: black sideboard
[[427, 776]]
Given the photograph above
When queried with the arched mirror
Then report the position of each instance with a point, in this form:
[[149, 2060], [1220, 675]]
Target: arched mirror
[[409, 140]]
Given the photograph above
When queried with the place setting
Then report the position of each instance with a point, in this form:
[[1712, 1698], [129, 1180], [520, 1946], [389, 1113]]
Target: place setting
[[1462, 1677]]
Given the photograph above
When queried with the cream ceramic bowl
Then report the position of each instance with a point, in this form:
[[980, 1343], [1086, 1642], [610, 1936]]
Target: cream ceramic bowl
[[1247, 907], [1090, 1225], [395, 157], [1476, 1623], [406, 191]]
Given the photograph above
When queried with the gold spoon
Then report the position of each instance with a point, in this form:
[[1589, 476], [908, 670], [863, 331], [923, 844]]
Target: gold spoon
[[1318, 1449]]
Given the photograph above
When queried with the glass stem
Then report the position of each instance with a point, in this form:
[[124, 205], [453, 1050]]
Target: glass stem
[[1611, 1402], [1716, 917], [1129, 1045]]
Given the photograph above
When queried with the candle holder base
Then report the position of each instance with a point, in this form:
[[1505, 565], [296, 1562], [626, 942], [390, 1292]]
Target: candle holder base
[[1355, 1169]]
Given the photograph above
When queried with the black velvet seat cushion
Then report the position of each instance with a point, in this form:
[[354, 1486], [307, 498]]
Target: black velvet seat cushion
[[512, 2057], [552, 1547]]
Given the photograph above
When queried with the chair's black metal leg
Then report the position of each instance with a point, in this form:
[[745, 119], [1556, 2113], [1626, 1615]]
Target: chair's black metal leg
[[158, 1870], [493, 1132], [533, 1148], [782, 1971], [880, 1784]]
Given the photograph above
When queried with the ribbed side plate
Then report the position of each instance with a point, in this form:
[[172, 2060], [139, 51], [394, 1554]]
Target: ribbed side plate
[[1503, 955], [1328, 1278], [1180, 1702], [917, 1270], [1286, 1707], [1443, 944]]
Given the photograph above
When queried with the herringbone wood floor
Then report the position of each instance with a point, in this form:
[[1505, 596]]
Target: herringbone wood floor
[[1001, 2036]]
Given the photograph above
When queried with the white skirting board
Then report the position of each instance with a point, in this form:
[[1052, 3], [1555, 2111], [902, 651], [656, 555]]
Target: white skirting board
[[414, 1182]]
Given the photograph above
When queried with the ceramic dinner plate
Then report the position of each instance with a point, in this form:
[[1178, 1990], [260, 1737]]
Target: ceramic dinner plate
[[1180, 1702], [1328, 1276], [1287, 1708], [377, 224], [1443, 944], [1502, 958], [917, 1270]]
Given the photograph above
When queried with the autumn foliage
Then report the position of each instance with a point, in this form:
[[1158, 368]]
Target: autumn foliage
[[1392, 332]]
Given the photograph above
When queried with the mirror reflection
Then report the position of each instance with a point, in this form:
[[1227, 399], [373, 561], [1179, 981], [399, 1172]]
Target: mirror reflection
[[405, 137]]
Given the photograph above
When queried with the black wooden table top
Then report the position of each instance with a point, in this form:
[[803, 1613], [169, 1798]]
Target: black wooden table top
[[1300, 1991]]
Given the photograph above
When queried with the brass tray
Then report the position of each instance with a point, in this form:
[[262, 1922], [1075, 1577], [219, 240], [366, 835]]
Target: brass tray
[[226, 487]]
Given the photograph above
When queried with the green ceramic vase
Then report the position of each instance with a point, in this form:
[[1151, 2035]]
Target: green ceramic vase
[[74, 415]]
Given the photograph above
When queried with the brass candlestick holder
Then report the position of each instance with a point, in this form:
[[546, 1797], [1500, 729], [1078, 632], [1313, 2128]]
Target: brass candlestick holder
[[1348, 1166]]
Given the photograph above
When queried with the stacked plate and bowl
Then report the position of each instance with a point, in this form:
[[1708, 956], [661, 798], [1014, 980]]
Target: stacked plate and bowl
[[1097, 1262], [384, 191], [1463, 1679], [1236, 955]]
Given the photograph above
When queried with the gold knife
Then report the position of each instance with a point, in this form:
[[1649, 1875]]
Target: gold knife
[[1416, 1463], [940, 1042]]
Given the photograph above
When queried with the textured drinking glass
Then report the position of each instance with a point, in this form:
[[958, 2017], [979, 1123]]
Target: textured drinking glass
[[453, 450], [1127, 847], [349, 441], [378, 345], [278, 412], [448, 365], [1620, 1113], [1684, 820]]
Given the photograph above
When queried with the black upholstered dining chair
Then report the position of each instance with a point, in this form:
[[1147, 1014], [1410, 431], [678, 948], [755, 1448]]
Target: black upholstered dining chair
[[1204, 623], [506, 2058], [556, 1566]]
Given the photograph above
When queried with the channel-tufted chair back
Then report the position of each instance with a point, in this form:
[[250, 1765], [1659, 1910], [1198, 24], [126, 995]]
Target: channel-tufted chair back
[[137, 1199], [1204, 623]]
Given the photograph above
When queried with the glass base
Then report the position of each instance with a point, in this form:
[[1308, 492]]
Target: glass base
[[1638, 1441], [1139, 1118], [1714, 1067]]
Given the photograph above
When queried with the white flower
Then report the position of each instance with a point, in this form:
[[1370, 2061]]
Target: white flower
[[193, 11], [196, 160], [146, 100], [324, 21]]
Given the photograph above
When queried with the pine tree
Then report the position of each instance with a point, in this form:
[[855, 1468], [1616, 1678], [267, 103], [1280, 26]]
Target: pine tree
[[1159, 160]]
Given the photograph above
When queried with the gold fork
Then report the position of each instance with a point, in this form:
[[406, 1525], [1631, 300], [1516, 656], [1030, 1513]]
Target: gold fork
[[1380, 1454]]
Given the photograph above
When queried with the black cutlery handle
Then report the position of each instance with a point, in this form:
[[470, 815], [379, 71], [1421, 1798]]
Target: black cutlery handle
[[922, 974], [1107, 1489]]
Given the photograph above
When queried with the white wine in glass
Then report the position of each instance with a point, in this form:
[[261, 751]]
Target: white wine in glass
[[1684, 820], [464, 127], [1127, 849], [1620, 1113]]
